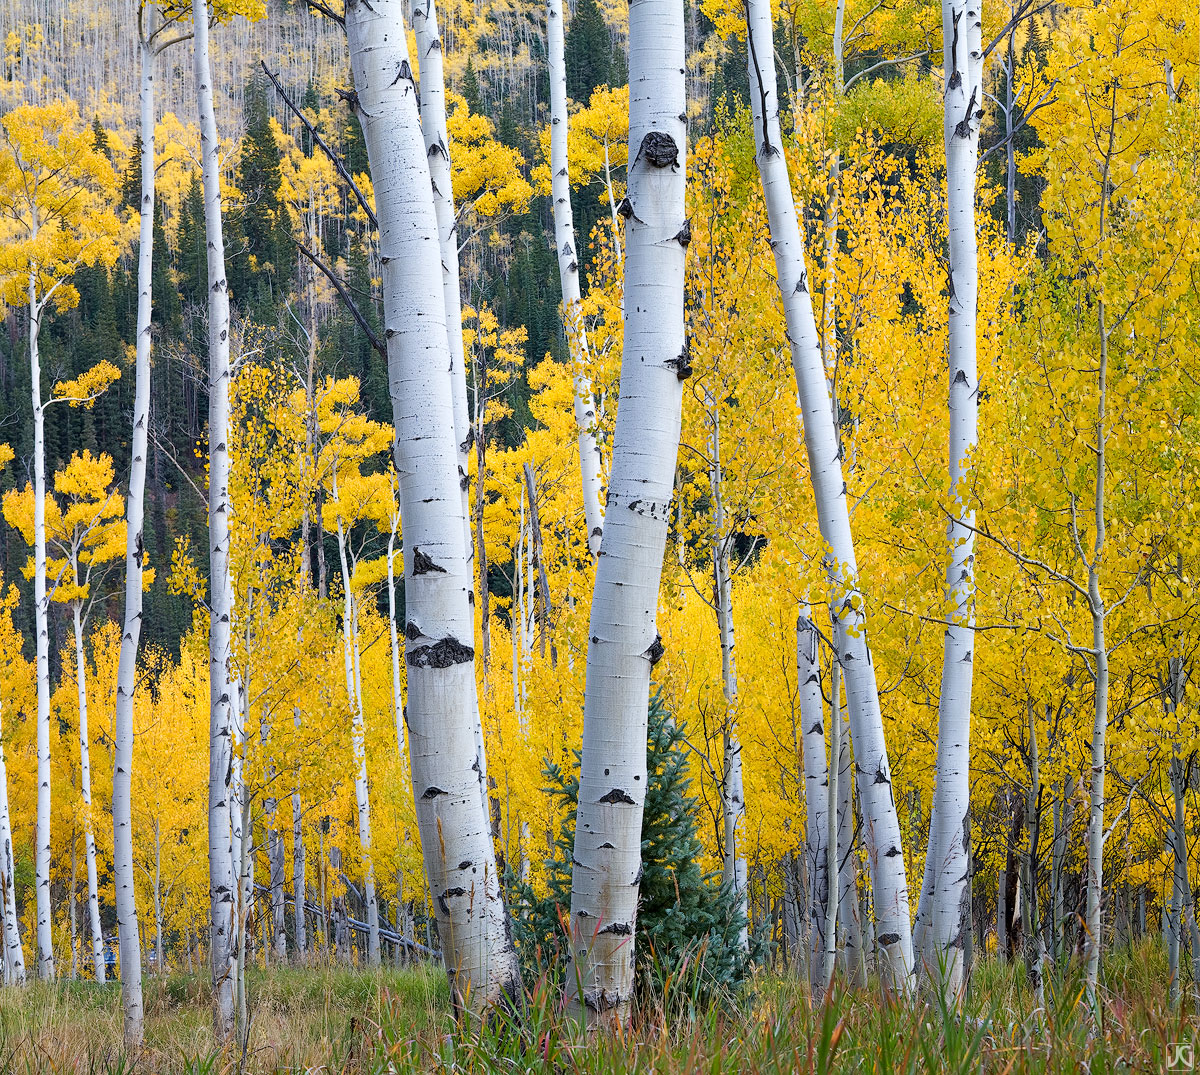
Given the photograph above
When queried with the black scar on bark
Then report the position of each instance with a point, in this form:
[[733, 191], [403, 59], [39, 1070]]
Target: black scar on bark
[[433, 792], [960, 377], [444, 654], [638, 879], [449, 892], [962, 129], [465, 864], [955, 79], [617, 796], [621, 929], [681, 365], [655, 651], [889, 938], [801, 284], [880, 776], [606, 846], [422, 564], [660, 150], [626, 207], [411, 631], [817, 729], [684, 235], [892, 852]]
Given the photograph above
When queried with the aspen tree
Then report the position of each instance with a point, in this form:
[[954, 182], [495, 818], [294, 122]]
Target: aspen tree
[[566, 247], [220, 742], [443, 712], [890, 891], [14, 954], [624, 643], [942, 916]]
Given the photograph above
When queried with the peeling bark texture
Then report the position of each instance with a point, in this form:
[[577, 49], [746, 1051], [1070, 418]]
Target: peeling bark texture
[[443, 711], [889, 886], [220, 746], [816, 781], [14, 955], [622, 633], [566, 247], [945, 877]]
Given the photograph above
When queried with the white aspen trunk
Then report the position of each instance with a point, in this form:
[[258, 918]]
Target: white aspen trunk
[[623, 641], [220, 852], [443, 711], [275, 876], [1173, 921], [14, 955], [851, 948], [437, 149], [816, 795], [45, 946], [299, 889], [940, 911], [1035, 949], [71, 910], [397, 694], [890, 890], [732, 787], [358, 736], [832, 848], [85, 781], [128, 936], [567, 249]]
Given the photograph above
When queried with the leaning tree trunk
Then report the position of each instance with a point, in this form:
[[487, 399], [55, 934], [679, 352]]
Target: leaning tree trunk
[[816, 781], [942, 918], [129, 938], [220, 852], [443, 710], [85, 783], [45, 946], [624, 644], [567, 249], [890, 890], [14, 955]]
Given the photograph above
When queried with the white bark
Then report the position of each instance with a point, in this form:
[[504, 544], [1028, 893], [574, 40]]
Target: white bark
[[732, 786], [443, 712], [220, 854], [566, 247], [624, 642], [882, 826], [944, 888], [816, 782], [85, 780], [831, 831], [437, 148], [397, 693], [45, 956], [850, 952], [14, 955], [299, 887]]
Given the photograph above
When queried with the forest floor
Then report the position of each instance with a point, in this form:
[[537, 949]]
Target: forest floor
[[336, 1020]]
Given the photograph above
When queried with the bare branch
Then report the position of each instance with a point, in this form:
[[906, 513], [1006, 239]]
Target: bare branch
[[351, 305]]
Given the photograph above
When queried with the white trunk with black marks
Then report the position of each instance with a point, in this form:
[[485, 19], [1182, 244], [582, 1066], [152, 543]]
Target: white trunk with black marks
[[397, 693], [816, 795], [220, 854], [623, 640], [832, 847], [299, 887], [733, 800], [358, 735], [45, 945], [436, 133], [882, 826], [850, 951], [944, 888], [567, 249], [157, 893], [443, 711], [128, 936], [85, 783], [14, 954]]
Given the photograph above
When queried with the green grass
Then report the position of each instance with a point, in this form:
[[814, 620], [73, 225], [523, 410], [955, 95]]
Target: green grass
[[336, 1020]]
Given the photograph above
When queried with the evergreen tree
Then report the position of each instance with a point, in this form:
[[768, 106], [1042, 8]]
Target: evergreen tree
[[685, 914], [589, 52]]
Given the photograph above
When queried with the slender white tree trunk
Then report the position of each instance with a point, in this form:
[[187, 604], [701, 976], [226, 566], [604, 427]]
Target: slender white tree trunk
[[128, 937], [832, 849], [299, 888], [567, 249], [890, 890], [732, 786], [85, 779], [158, 923], [14, 955], [624, 642], [941, 913], [437, 148], [816, 796], [220, 853], [45, 947], [443, 711], [850, 953], [397, 693]]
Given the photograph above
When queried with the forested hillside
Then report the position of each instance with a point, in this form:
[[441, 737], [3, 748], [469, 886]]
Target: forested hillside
[[810, 388]]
